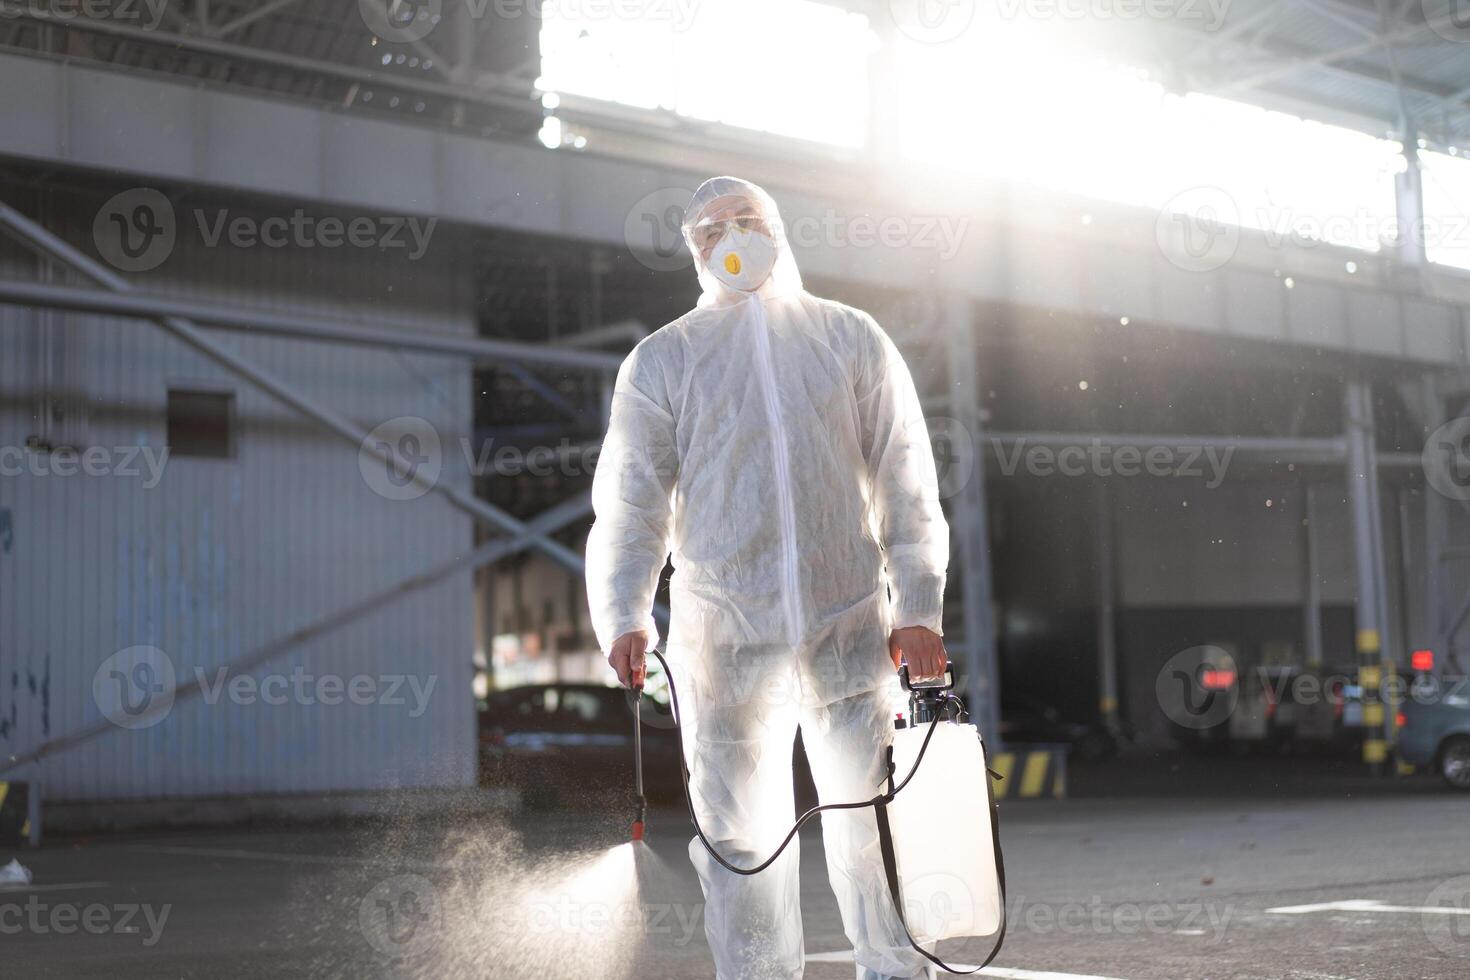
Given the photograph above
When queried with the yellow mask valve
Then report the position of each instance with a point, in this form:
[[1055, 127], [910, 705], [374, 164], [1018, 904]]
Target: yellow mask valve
[[732, 264]]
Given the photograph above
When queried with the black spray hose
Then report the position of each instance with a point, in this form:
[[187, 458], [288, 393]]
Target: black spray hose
[[881, 798]]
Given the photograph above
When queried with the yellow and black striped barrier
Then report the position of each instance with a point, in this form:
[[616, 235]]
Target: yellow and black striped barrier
[[16, 808], [1030, 774]]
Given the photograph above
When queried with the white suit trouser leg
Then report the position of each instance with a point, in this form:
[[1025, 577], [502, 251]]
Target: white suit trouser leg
[[740, 715]]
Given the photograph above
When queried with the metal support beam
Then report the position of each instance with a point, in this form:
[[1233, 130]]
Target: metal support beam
[[1269, 448], [1409, 197], [1292, 65], [1311, 580], [130, 303], [1436, 531], [45, 242], [489, 89], [1107, 595], [1362, 478], [486, 554], [968, 512]]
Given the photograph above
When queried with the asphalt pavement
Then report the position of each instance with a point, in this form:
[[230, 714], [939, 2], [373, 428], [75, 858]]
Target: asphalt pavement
[[1361, 885]]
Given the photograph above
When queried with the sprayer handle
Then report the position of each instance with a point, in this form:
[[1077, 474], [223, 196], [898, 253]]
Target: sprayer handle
[[909, 685]]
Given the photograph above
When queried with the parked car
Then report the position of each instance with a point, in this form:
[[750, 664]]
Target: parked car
[[559, 743], [1434, 730]]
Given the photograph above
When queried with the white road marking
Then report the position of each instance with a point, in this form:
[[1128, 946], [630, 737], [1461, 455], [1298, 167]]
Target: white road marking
[[1366, 905], [1005, 973], [60, 887]]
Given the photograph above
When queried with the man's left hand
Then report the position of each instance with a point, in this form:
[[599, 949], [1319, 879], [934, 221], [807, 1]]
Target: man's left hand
[[922, 648]]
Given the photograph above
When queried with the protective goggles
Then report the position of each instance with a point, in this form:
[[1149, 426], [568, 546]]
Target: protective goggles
[[706, 234]]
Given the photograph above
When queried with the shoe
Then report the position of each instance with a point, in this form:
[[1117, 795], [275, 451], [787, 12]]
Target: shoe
[[15, 873]]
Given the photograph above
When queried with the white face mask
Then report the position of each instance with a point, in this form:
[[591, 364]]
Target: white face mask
[[743, 259]]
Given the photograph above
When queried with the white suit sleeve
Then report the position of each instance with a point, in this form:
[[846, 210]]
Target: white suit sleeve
[[905, 489], [632, 498]]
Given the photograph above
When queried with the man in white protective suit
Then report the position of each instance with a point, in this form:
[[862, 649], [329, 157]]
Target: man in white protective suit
[[774, 443]]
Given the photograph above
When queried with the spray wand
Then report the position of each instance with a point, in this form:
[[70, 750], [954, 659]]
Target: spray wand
[[642, 803]]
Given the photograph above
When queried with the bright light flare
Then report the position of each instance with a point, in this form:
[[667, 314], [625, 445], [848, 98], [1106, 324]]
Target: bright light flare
[[793, 67]]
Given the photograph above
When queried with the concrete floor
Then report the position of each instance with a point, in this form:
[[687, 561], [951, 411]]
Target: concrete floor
[[1135, 888]]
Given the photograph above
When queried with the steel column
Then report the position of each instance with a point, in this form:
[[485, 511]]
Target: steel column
[[1362, 480], [1436, 533], [1311, 580], [968, 512], [1107, 637]]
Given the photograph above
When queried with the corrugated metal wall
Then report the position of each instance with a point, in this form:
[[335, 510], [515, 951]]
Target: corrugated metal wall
[[223, 556]]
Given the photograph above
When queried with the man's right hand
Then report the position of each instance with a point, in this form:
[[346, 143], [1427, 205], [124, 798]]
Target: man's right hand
[[627, 659]]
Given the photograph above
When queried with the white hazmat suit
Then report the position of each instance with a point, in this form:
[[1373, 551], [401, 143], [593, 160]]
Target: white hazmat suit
[[774, 443]]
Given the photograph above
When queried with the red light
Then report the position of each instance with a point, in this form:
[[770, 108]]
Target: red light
[[1400, 720], [1217, 680], [1422, 660]]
